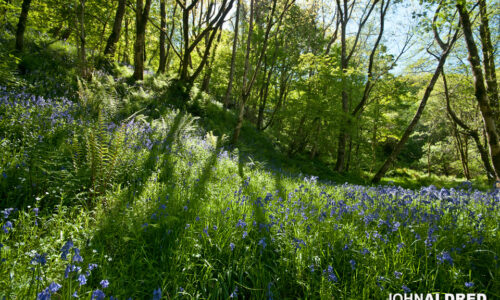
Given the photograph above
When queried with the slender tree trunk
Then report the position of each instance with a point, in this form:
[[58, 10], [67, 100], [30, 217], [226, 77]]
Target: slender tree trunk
[[480, 91], [404, 138], [21, 25], [466, 154], [245, 93], [489, 63], [370, 83], [125, 50], [344, 64], [349, 151], [248, 82], [461, 151], [294, 145], [208, 70], [142, 15], [428, 158], [168, 57], [461, 146], [153, 55], [210, 33], [314, 150], [83, 52], [103, 32], [163, 26], [483, 153], [374, 135], [185, 39], [114, 37], [139, 42], [227, 97], [206, 76], [345, 57], [262, 106], [281, 98]]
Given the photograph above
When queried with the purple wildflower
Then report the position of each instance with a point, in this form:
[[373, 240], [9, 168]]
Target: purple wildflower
[[330, 274], [262, 242], [234, 294], [98, 295], [54, 287], [104, 283], [82, 279], [157, 294]]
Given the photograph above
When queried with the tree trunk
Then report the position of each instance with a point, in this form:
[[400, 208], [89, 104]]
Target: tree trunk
[[461, 151], [428, 158], [262, 106], [349, 151], [294, 145], [141, 17], [465, 144], [248, 82], [480, 91], [208, 34], [115, 33], [343, 135], [314, 150], [208, 71], [344, 63], [103, 32], [490, 173], [168, 58], [489, 63], [345, 57], [185, 40], [21, 25], [370, 80], [83, 52], [404, 138], [245, 93], [163, 26], [281, 98], [227, 97], [374, 135], [125, 58]]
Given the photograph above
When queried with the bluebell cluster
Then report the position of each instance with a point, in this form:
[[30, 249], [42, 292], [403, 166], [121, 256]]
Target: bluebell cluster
[[51, 111], [74, 269], [353, 222]]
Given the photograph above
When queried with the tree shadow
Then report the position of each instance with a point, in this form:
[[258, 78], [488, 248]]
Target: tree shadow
[[267, 256], [150, 165], [149, 241]]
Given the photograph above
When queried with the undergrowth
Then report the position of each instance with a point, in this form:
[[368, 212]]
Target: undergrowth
[[115, 189]]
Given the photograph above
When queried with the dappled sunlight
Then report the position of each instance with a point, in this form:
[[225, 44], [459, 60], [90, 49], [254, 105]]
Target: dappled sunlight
[[244, 149]]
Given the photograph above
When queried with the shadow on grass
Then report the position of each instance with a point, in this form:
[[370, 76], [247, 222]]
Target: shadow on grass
[[261, 276], [147, 240]]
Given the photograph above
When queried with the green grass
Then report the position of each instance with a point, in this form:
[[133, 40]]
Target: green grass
[[157, 231], [172, 207]]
